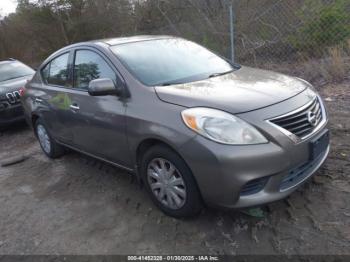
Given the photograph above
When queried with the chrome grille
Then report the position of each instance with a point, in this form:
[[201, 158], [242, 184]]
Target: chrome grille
[[3, 97], [13, 97], [302, 122]]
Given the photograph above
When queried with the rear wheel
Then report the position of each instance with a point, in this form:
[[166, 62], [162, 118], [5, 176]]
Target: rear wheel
[[50, 147], [170, 182]]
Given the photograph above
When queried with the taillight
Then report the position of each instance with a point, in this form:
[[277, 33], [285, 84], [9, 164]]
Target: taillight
[[22, 91]]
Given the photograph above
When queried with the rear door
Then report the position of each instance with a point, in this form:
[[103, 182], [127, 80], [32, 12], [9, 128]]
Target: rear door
[[98, 124], [52, 96]]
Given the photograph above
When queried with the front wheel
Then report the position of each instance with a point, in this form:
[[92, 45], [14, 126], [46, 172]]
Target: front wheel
[[50, 147], [170, 182]]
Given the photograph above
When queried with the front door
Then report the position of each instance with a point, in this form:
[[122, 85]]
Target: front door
[[98, 124]]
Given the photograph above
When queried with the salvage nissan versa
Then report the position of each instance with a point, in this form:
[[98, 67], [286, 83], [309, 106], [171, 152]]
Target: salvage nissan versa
[[193, 127]]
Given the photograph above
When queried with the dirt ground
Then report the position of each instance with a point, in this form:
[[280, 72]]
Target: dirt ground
[[76, 205]]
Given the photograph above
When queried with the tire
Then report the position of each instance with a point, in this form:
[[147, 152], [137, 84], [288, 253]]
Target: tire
[[49, 146], [177, 179]]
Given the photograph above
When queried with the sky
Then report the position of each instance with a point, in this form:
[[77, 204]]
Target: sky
[[7, 6]]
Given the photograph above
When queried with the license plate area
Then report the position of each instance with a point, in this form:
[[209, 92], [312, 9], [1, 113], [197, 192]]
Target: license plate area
[[319, 145]]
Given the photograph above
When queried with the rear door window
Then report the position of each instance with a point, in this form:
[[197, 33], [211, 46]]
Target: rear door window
[[56, 72]]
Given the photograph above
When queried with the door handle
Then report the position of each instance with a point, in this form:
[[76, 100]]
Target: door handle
[[74, 107]]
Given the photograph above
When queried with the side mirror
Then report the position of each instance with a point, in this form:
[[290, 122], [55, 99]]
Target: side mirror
[[103, 87]]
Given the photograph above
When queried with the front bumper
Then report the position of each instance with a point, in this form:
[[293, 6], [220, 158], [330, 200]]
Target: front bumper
[[273, 189], [11, 114], [279, 167]]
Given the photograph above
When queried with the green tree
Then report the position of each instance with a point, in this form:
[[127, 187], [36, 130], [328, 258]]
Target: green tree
[[327, 26]]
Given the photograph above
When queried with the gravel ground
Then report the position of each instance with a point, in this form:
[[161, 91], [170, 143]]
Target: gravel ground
[[76, 205]]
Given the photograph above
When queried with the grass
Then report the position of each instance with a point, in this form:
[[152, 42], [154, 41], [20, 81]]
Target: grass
[[338, 67], [333, 67]]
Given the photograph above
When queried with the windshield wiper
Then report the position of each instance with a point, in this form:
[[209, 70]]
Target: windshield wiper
[[193, 78], [171, 83], [221, 74]]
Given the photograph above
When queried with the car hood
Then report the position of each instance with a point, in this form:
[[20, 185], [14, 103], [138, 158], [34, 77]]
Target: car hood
[[14, 84], [243, 90]]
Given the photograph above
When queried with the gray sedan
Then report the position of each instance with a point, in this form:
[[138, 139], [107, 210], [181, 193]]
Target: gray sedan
[[194, 128]]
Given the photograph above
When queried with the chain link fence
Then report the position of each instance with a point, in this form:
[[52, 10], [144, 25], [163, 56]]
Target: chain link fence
[[305, 37]]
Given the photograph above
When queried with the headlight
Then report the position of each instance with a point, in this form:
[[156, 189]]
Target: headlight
[[221, 127]]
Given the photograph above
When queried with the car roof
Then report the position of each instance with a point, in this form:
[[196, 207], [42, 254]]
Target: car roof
[[108, 42], [131, 39]]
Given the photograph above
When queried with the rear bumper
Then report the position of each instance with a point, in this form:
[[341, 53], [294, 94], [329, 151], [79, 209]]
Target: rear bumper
[[10, 115]]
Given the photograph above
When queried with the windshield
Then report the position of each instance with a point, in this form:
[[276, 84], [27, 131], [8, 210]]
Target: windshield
[[170, 61], [12, 70]]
